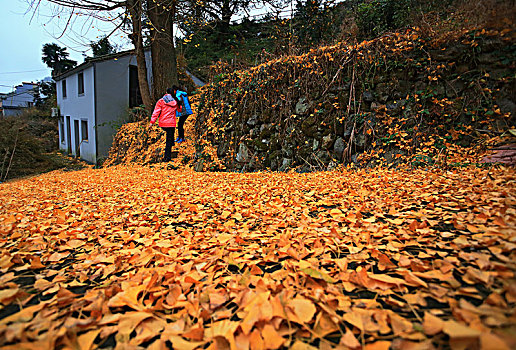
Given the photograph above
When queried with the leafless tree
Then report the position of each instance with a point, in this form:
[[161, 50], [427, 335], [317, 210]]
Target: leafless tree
[[160, 18], [152, 22]]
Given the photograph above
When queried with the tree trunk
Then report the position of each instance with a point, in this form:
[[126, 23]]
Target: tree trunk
[[225, 17], [135, 10], [164, 65]]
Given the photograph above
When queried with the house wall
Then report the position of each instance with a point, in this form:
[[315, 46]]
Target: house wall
[[79, 107], [22, 97], [104, 105], [112, 97]]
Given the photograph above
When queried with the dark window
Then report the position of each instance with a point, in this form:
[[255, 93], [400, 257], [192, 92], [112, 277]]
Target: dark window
[[69, 134], [135, 98], [63, 87], [84, 130], [61, 130], [80, 83]]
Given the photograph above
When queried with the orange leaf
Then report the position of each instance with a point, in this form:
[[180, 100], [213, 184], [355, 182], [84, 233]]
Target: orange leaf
[[457, 330], [272, 339], [400, 324], [256, 341], [75, 243], [43, 284], [489, 341], [35, 263], [23, 315], [250, 319], [355, 319], [86, 340], [432, 324], [225, 329], [216, 300], [57, 257], [413, 280], [6, 294], [299, 345], [242, 341], [128, 323], [300, 310], [195, 333], [180, 343], [324, 325], [379, 345], [349, 340], [386, 279]]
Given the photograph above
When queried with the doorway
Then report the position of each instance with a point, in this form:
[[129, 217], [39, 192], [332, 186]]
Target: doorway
[[135, 97], [77, 140]]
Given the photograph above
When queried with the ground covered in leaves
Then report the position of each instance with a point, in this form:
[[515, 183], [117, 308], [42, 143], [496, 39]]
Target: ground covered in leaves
[[138, 257]]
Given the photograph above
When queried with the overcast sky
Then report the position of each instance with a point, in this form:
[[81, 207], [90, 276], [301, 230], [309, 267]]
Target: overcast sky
[[23, 35], [23, 32]]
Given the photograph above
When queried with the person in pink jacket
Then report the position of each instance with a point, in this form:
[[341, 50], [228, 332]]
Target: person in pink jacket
[[165, 110]]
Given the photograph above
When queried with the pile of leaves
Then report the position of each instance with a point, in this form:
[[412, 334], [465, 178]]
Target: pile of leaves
[[142, 143], [134, 257]]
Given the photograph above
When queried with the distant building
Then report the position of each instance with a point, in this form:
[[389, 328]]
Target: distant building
[[23, 96], [93, 99]]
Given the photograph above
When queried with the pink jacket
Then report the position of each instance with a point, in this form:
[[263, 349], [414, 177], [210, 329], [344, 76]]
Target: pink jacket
[[165, 110]]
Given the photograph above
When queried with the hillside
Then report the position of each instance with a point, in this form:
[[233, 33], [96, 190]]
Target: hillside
[[29, 146], [404, 98]]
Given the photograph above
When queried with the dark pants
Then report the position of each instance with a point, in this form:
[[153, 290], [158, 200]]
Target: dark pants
[[180, 127], [169, 143]]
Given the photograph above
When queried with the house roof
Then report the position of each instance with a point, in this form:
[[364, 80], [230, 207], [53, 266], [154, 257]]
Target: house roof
[[88, 62], [72, 71]]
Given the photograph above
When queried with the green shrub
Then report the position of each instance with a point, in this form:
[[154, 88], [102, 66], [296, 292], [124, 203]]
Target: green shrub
[[378, 16]]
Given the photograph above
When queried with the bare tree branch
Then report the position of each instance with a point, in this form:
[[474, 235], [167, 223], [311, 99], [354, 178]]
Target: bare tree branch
[[67, 24]]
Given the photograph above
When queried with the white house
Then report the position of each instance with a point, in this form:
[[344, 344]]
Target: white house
[[93, 99], [22, 97]]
